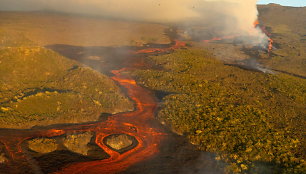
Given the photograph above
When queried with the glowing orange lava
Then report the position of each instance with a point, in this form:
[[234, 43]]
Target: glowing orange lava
[[136, 123], [256, 23], [270, 46], [264, 30]]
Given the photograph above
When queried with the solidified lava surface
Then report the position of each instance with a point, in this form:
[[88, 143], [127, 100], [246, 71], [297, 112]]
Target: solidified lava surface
[[137, 124]]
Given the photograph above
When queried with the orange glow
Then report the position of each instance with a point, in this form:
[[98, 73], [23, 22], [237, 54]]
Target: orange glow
[[263, 29], [54, 132], [135, 123], [138, 126], [270, 46], [121, 81], [256, 23], [178, 44]]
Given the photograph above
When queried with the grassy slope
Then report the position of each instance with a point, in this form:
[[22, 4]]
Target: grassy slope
[[287, 25], [48, 29], [40, 87], [242, 115]]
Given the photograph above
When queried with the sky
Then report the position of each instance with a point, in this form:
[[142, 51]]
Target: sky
[[296, 3]]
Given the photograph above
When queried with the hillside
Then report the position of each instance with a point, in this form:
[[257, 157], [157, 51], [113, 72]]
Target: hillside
[[40, 87], [242, 104], [254, 121], [287, 28]]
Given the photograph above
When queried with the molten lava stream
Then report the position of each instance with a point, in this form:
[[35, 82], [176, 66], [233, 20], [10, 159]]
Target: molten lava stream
[[264, 30], [147, 137], [134, 123]]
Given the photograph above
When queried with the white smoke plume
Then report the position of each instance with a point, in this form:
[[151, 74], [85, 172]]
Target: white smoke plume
[[228, 16]]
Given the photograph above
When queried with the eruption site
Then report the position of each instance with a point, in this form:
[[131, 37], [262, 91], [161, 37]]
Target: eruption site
[[225, 18], [222, 19]]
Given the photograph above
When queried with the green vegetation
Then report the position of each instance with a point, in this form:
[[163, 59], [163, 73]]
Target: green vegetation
[[43, 145], [253, 121], [40, 87], [119, 142], [78, 142], [247, 118]]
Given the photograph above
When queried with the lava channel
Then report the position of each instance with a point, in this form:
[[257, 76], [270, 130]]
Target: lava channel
[[135, 123]]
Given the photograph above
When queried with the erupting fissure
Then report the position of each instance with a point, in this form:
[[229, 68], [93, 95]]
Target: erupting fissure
[[263, 29], [136, 123], [255, 24]]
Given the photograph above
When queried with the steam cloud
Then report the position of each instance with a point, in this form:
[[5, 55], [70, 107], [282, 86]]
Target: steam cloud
[[228, 16]]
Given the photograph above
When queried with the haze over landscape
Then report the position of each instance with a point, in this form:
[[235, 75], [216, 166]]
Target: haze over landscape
[[233, 16], [152, 86]]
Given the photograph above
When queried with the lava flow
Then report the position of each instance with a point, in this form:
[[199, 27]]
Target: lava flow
[[136, 123], [264, 30]]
